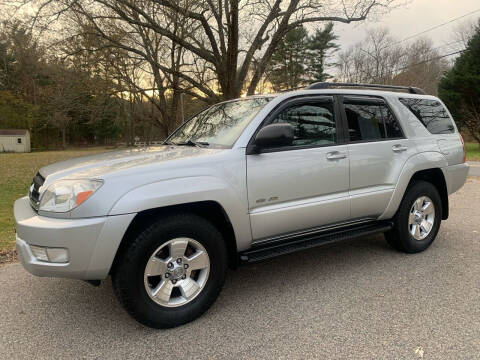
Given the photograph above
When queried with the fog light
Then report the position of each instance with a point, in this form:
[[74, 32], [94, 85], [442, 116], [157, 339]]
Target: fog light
[[39, 252], [55, 255]]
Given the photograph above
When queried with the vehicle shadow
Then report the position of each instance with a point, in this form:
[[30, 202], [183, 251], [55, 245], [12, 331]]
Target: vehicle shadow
[[249, 288]]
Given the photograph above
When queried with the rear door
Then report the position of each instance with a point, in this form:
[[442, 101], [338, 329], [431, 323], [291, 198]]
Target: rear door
[[377, 150], [305, 185]]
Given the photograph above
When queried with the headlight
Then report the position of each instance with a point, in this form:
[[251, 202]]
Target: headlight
[[65, 195]]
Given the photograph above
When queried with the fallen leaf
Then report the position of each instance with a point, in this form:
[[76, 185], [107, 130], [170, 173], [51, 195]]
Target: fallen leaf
[[419, 352]]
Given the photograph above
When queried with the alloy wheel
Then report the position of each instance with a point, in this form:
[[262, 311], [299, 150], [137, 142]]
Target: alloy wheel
[[421, 218], [176, 272]]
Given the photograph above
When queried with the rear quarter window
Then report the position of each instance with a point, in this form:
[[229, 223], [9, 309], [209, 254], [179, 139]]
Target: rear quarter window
[[431, 113]]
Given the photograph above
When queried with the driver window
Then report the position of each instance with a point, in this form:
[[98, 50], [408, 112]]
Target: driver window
[[313, 123]]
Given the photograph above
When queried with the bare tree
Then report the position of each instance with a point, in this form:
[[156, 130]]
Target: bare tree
[[382, 59], [463, 32], [225, 37], [422, 66], [373, 60], [65, 97]]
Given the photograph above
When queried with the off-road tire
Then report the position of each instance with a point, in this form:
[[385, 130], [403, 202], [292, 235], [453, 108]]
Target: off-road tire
[[128, 274], [400, 237]]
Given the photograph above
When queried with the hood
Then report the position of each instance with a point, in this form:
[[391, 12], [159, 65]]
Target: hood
[[99, 165]]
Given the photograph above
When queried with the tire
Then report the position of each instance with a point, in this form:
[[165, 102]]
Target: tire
[[135, 287], [404, 236]]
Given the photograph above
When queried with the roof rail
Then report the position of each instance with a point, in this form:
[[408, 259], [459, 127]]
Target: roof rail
[[326, 85], [292, 89]]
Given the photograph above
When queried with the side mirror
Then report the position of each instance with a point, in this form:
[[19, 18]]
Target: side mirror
[[275, 135]]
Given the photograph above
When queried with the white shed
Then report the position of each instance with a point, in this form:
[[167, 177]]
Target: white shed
[[13, 140]]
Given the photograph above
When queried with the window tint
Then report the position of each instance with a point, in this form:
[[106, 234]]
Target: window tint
[[391, 124], [432, 114], [314, 123], [371, 121]]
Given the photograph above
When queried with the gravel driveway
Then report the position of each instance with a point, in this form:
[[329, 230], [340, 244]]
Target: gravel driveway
[[355, 300]]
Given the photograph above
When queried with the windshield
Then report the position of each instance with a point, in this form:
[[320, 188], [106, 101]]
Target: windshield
[[219, 125]]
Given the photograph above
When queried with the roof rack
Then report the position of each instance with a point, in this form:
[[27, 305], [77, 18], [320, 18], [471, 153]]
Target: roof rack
[[326, 85]]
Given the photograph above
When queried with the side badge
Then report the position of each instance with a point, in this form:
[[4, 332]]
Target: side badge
[[273, 198]]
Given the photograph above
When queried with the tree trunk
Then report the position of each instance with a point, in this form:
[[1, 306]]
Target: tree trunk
[[46, 135], [64, 137]]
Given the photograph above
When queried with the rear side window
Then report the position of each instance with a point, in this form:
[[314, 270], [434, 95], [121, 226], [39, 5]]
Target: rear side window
[[432, 114], [370, 121], [313, 123]]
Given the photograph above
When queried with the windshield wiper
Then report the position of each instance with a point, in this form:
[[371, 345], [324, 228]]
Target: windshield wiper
[[194, 143]]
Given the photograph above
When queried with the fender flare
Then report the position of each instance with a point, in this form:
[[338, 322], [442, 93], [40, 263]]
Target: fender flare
[[187, 190], [418, 162]]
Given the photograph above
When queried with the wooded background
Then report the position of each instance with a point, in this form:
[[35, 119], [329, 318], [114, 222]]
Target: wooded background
[[78, 72]]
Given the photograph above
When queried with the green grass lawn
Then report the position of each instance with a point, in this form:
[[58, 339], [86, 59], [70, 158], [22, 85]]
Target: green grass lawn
[[473, 151], [16, 173]]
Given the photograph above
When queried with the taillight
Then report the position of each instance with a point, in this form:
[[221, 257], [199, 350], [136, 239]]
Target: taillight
[[464, 151]]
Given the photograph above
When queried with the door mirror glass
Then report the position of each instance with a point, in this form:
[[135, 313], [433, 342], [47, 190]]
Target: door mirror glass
[[275, 135]]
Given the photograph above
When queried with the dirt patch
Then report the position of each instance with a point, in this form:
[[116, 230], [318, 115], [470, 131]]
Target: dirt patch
[[8, 256]]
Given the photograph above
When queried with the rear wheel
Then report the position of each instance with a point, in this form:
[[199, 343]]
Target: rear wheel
[[172, 272], [418, 219]]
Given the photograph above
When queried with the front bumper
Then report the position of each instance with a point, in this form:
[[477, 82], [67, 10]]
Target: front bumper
[[91, 242]]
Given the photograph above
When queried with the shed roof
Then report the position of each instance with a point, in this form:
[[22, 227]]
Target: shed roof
[[13, 132]]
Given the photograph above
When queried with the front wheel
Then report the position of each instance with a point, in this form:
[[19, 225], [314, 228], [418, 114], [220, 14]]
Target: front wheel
[[418, 219], [172, 271]]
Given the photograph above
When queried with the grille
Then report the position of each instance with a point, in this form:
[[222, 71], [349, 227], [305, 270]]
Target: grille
[[34, 193]]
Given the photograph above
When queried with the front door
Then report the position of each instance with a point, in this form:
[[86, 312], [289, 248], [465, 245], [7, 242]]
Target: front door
[[305, 185]]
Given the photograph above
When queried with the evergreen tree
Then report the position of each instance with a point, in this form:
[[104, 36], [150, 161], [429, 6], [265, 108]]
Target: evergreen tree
[[320, 46], [287, 67], [460, 87], [301, 59]]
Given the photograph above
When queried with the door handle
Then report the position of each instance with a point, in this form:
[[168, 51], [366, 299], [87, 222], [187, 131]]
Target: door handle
[[335, 155], [399, 148]]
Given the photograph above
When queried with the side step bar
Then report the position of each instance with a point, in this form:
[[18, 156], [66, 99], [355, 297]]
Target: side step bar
[[275, 248]]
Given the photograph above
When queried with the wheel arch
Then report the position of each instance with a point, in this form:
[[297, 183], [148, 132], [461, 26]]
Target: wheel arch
[[210, 210], [436, 177], [425, 166]]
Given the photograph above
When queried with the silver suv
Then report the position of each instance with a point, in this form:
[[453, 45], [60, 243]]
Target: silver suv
[[243, 181]]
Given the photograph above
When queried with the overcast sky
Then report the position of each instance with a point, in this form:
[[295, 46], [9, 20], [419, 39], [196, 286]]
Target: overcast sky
[[416, 17]]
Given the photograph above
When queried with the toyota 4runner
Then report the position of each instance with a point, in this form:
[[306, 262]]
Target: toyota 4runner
[[243, 181]]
